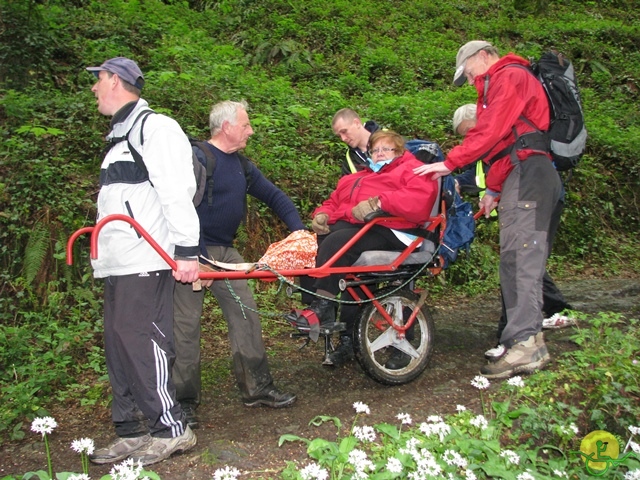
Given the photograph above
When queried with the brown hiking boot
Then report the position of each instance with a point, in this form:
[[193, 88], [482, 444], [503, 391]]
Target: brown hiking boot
[[523, 357]]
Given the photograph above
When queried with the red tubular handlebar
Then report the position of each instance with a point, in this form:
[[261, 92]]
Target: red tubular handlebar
[[321, 271]]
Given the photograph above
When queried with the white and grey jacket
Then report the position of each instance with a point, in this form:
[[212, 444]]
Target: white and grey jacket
[[161, 204]]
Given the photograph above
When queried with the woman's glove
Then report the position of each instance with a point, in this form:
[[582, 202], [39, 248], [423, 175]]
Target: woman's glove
[[319, 224], [364, 208]]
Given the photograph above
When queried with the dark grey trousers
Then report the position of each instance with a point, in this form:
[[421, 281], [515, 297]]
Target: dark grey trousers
[[250, 364], [528, 199], [138, 345]]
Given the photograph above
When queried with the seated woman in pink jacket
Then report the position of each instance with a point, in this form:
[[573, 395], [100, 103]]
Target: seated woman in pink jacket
[[389, 185]]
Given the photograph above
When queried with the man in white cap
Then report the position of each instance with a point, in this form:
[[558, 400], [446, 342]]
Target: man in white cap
[[512, 118], [157, 192]]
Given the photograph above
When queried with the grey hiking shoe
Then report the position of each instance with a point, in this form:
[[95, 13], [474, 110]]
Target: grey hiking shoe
[[120, 449], [161, 448], [524, 357]]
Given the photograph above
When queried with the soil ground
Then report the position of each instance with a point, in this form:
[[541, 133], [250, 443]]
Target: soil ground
[[231, 434]]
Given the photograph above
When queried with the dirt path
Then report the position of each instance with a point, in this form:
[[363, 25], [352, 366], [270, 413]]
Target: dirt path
[[231, 434]]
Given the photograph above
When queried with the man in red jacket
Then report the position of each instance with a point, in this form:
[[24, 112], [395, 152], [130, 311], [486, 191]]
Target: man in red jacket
[[513, 116]]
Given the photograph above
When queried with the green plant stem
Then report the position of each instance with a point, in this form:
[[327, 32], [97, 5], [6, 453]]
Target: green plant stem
[[46, 447]]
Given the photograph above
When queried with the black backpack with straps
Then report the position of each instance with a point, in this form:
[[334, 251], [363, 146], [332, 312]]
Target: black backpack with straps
[[202, 174], [566, 137]]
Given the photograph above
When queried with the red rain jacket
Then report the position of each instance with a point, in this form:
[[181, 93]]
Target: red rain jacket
[[401, 193], [512, 92]]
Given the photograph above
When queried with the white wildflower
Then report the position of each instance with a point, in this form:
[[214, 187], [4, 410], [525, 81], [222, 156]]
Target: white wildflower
[[452, 457], [632, 475], [410, 447], [634, 446], [313, 471], [525, 476], [469, 475], [634, 430], [394, 465], [78, 476], [434, 419], [479, 421], [364, 433], [43, 425], [360, 462], [570, 429], [226, 473], [560, 473], [441, 429], [426, 466], [84, 445], [405, 418], [361, 408], [480, 382], [516, 381], [126, 470], [461, 408], [511, 456]]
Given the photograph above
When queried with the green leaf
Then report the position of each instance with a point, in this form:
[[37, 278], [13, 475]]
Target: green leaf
[[287, 437], [347, 444], [388, 429]]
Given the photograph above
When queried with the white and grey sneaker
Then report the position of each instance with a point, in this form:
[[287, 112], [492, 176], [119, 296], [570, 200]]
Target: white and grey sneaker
[[557, 321], [120, 449], [495, 353], [161, 448]]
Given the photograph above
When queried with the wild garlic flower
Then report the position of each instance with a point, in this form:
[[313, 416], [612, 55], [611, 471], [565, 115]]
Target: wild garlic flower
[[364, 433], [84, 445], [480, 382], [461, 408], [434, 419], [426, 466], [570, 429], [632, 475], [469, 475], [511, 456], [313, 471], [560, 473], [440, 429], [634, 446], [525, 476], [226, 473], [634, 430], [43, 425], [126, 470], [405, 418], [451, 457], [394, 465], [78, 476], [516, 381], [479, 422], [361, 408], [361, 463]]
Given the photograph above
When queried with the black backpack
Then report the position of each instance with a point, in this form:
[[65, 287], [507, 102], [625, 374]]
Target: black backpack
[[567, 136], [202, 174]]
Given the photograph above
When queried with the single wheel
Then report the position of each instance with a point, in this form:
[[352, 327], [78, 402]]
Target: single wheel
[[378, 346]]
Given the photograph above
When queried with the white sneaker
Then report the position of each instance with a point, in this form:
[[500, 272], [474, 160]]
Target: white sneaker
[[557, 321], [495, 353]]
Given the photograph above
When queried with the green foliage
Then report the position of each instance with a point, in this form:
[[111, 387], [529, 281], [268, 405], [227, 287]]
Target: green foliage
[[296, 63]]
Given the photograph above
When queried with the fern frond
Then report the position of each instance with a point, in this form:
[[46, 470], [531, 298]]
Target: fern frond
[[35, 251]]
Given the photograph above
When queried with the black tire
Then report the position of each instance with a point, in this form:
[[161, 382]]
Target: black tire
[[371, 327]]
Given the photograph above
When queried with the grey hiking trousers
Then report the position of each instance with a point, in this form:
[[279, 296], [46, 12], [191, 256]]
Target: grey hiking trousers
[[250, 364], [530, 194]]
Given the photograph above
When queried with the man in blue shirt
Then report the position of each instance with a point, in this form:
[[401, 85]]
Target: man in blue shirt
[[220, 216]]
